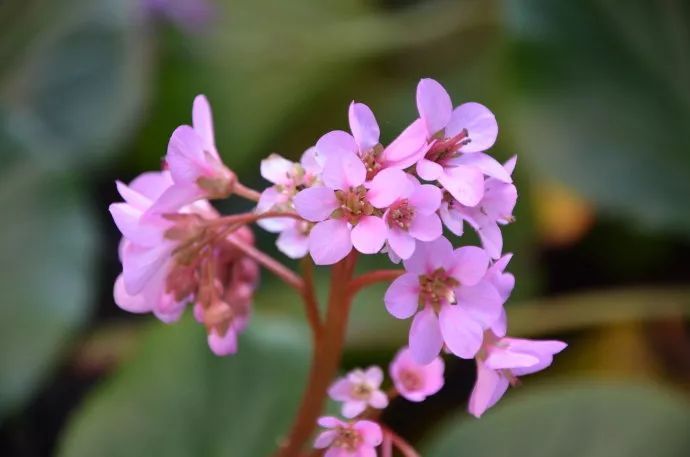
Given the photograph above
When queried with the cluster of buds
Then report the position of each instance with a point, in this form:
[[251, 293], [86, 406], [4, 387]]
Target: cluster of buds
[[348, 193]]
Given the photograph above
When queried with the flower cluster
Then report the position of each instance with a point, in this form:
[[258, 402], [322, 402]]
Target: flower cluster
[[348, 193]]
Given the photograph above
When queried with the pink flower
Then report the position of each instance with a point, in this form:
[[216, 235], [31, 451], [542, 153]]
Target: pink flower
[[195, 166], [412, 216], [348, 439], [501, 361], [504, 283], [457, 303], [348, 212], [358, 390], [414, 381], [495, 207], [455, 138], [288, 179]]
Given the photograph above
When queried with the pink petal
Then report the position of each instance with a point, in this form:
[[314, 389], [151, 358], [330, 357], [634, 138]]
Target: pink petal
[[402, 296], [132, 197], [131, 303], [425, 336], [276, 169], [223, 345], [488, 389], [429, 256], [378, 400], [329, 422], [480, 123], [329, 242], [500, 325], [481, 301], [466, 184], [426, 198], [471, 264], [267, 201], [335, 144], [428, 170], [310, 161], [374, 376], [461, 333], [316, 203], [544, 350], [492, 239], [369, 431], [401, 242], [426, 227], [353, 408], [369, 234], [324, 439], [389, 185], [185, 157], [510, 165], [175, 197], [505, 358], [486, 164], [363, 125], [341, 390], [434, 105], [451, 219], [151, 184], [129, 221], [140, 264], [293, 243], [408, 147], [202, 120], [344, 171]]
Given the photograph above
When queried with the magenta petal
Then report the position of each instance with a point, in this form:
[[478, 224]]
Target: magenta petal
[[324, 439], [428, 170], [369, 234], [344, 171], [451, 219], [329, 242], [202, 120], [505, 358], [425, 336], [471, 265], [174, 198], [370, 432], [132, 197], [434, 105], [151, 184], [426, 198], [481, 301], [492, 239], [429, 256], [488, 389], [500, 325], [426, 227], [185, 156], [335, 144], [544, 350], [340, 390], [402, 296], [128, 221], [316, 203], [486, 164], [329, 422], [401, 243], [480, 123], [509, 165], [140, 264], [131, 303], [353, 408], [388, 186], [363, 125], [461, 333], [466, 184], [223, 345], [408, 147]]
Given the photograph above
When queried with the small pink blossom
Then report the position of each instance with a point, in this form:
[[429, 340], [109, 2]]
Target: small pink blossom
[[358, 390], [346, 211], [455, 139], [348, 439], [494, 209], [501, 361], [457, 302], [414, 381], [504, 284]]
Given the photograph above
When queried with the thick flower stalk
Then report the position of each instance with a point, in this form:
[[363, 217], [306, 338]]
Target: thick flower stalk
[[349, 195]]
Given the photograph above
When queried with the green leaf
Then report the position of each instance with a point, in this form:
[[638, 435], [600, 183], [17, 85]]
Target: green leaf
[[47, 247], [601, 102], [175, 398], [74, 88], [573, 420]]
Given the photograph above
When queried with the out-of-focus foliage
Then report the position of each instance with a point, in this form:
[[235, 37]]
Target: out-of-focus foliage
[[573, 419], [601, 101], [177, 399]]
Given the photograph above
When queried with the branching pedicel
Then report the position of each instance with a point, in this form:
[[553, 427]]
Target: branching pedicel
[[349, 194]]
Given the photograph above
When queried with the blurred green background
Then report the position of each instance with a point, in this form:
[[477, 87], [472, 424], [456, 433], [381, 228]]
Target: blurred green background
[[593, 96]]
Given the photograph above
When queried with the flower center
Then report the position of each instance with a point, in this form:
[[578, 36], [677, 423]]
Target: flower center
[[401, 214], [445, 149], [437, 287], [347, 438], [361, 391], [372, 160], [410, 380], [353, 204]]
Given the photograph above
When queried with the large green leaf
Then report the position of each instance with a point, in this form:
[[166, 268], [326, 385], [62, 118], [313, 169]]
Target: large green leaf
[[73, 78], [602, 102], [177, 399], [47, 247], [573, 420]]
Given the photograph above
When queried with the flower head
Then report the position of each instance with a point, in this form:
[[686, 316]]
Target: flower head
[[359, 389], [447, 293], [499, 363], [348, 439], [414, 381]]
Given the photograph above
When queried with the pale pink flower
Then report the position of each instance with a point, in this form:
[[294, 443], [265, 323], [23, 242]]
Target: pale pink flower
[[348, 439], [504, 284], [455, 139], [194, 163], [415, 381], [494, 209], [358, 390], [501, 361], [412, 216], [457, 302], [347, 211]]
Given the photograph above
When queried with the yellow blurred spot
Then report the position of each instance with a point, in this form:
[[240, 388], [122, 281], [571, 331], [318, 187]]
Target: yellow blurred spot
[[562, 216]]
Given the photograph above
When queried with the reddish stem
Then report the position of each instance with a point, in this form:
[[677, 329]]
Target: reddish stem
[[373, 277], [311, 303], [270, 264], [247, 218], [245, 192], [398, 441]]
